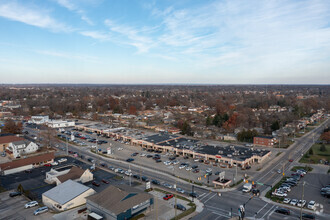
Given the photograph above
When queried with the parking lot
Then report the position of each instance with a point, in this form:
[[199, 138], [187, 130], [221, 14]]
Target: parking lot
[[13, 208], [123, 151]]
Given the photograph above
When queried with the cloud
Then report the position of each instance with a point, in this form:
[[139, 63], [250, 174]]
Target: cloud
[[31, 16], [69, 56], [137, 37], [75, 8], [96, 35]]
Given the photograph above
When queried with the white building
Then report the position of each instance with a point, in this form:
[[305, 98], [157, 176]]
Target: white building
[[21, 148], [66, 196], [60, 124], [60, 175], [39, 119]]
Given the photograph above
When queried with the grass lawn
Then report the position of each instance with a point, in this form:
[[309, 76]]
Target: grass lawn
[[317, 154]]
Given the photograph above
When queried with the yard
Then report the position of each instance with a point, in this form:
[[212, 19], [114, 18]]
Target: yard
[[317, 154]]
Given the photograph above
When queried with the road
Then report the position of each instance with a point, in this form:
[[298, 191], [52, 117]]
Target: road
[[226, 205]]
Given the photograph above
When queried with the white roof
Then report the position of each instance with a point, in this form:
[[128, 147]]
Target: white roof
[[66, 191]]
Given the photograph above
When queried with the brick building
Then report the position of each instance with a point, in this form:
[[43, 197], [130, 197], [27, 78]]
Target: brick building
[[264, 141]]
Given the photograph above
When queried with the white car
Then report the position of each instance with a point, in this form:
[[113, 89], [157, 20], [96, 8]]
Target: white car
[[62, 160], [196, 160], [41, 210], [127, 173], [280, 194], [120, 148], [31, 204], [301, 203], [180, 190], [294, 202], [182, 166], [54, 163], [142, 155], [167, 163], [208, 170], [286, 200], [188, 168], [175, 162], [311, 205]]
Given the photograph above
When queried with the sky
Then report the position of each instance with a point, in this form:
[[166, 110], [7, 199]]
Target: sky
[[165, 42]]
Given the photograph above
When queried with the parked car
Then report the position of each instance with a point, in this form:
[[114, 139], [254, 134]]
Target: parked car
[[54, 163], [286, 200], [62, 160], [14, 194], [294, 202], [47, 165], [311, 205], [168, 196], [283, 211], [105, 181], [144, 179], [28, 171], [180, 190], [31, 204], [41, 210], [95, 183], [180, 207], [301, 203]]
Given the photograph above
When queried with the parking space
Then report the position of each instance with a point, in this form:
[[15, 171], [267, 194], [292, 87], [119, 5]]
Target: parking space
[[313, 184], [13, 208]]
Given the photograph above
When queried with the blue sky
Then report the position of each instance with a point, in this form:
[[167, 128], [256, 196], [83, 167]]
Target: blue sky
[[136, 41]]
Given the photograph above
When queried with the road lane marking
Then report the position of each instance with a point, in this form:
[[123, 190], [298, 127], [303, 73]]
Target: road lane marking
[[262, 208], [201, 198], [209, 199], [268, 211]]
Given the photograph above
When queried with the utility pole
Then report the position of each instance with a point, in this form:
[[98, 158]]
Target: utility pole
[[175, 208], [302, 198], [129, 170], [67, 146]]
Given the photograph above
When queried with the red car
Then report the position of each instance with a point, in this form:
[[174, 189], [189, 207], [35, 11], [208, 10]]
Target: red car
[[47, 165], [291, 160], [106, 182], [95, 184], [168, 196]]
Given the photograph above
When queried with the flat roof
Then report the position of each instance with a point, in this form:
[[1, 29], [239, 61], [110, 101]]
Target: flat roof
[[66, 191], [158, 138]]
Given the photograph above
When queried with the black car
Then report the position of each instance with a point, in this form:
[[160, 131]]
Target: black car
[[180, 207], [194, 166], [103, 164], [130, 160], [158, 160], [144, 178], [307, 216], [156, 182], [193, 194], [136, 176], [255, 192], [283, 211], [134, 154], [149, 155], [28, 171], [172, 158], [13, 194]]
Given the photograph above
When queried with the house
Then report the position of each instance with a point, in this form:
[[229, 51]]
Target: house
[[119, 203], [62, 174], [22, 148], [66, 196], [29, 162], [6, 140], [264, 141]]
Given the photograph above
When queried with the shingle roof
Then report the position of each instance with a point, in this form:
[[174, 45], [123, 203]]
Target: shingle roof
[[118, 200], [74, 173], [66, 191], [9, 139]]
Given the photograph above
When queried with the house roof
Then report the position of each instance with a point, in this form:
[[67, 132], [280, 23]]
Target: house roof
[[118, 200], [21, 142], [9, 139], [73, 174], [66, 191], [26, 161], [266, 137]]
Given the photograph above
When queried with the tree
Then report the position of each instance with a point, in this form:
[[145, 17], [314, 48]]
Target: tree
[[20, 188], [246, 136], [186, 129], [208, 121], [322, 148], [311, 152], [12, 127], [132, 110], [275, 126]]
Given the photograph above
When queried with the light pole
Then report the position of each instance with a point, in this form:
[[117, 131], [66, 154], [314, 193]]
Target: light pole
[[302, 198]]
